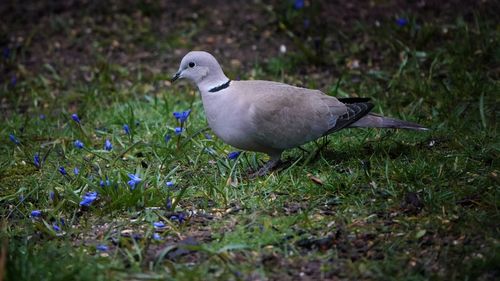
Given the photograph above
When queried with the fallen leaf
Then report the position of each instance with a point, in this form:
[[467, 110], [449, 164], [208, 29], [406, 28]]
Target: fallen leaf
[[420, 234], [314, 179]]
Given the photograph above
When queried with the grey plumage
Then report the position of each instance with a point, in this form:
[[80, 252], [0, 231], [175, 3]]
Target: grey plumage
[[270, 117]]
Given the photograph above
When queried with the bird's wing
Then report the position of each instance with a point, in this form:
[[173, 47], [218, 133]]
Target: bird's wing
[[284, 116], [355, 111]]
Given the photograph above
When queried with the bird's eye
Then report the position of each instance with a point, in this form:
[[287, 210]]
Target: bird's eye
[[191, 64]]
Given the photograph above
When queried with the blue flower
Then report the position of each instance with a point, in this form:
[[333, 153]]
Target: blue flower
[[75, 117], [126, 129], [401, 21], [6, 52], [103, 183], [21, 198], [134, 180], [78, 144], [88, 198], [107, 145], [179, 217], [167, 138], [14, 139], [52, 195], [178, 130], [169, 183], [298, 4], [307, 23], [168, 203], [62, 171], [233, 155], [76, 171], [156, 236], [13, 80], [36, 213], [56, 227], [102, 248], [182, 116], [42, 117], [36, 160], [208, 136], [159, 224]]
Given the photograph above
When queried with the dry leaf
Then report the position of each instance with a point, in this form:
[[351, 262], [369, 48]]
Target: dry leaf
[[314, 179]]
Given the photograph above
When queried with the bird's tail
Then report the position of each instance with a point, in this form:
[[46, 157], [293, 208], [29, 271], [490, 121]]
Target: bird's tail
[[372, 120]]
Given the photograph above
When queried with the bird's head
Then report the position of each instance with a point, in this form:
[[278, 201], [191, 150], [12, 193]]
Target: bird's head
[[201, 68]]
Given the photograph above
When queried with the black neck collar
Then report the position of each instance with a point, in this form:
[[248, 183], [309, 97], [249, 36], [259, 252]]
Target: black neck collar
[[220, 87]]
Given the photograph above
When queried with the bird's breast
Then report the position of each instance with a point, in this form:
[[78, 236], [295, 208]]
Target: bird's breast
[[230, 121]]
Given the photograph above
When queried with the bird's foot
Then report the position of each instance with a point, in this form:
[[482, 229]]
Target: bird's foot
[[264, 170]]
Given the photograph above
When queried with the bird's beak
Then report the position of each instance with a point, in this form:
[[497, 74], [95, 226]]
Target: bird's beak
[[175, 77]]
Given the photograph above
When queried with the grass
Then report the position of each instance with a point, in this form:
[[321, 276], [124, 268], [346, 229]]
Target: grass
[[372, 204]]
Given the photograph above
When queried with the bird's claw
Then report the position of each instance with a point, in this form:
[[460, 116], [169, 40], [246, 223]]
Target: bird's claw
[[264, 170]]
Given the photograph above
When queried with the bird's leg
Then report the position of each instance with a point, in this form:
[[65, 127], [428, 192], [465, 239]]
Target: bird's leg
[[268, 166], [324, 143]]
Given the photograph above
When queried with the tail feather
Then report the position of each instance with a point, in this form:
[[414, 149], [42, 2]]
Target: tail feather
[[373, 120]]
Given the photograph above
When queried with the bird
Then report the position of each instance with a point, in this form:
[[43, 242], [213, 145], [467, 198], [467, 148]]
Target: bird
[[271, 117]]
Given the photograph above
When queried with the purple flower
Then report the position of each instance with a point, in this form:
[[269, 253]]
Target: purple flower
[[102, 248], [169, 183], [167, 138], [159, 224], [42, 116], [62, 171], [178, 130], [78, 144], [88, 198], [75, 117], [14, 139], [107, 145], [208, 136], [298, 4], [76, 171], [401, 22], [56, 227], [36, 160], [233, 155], [134, 180], [126, 129], [182, 116], [156, 236], [36, 213], [13, 80]]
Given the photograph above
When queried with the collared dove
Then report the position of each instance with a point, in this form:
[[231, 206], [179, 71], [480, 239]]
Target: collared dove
[[269, 117]]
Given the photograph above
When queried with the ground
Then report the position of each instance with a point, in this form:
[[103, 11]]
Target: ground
[[361, 204]]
